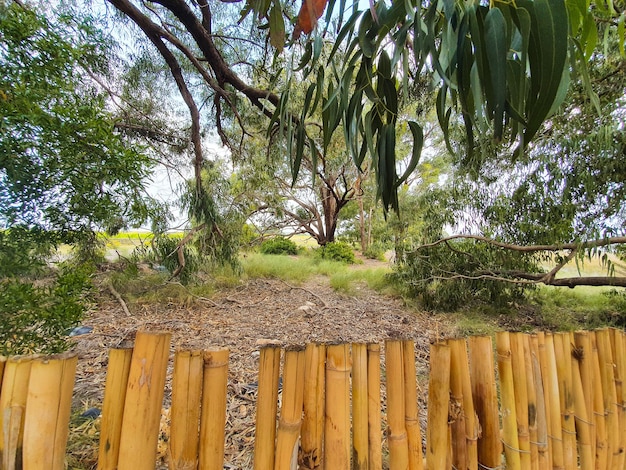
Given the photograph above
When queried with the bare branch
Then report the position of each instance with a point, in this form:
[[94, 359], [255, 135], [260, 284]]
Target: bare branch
[[531, 248]]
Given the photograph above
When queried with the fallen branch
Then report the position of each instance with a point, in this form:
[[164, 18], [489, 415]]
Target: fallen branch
[[118, 297], [530, 248]]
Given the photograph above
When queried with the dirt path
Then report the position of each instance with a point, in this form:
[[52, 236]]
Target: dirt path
[[238, 318]]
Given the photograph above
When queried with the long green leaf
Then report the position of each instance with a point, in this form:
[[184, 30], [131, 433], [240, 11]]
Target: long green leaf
[[551, 33], [495, 37], [277, 27], [418, 143]]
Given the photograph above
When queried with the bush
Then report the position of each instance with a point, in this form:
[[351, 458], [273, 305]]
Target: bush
[[279, 246], [337, 251], [450, 276], [36, 319], [375, 251]]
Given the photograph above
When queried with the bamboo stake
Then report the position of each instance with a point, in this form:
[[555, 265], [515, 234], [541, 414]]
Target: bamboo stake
[[583, 420], [544, 451], [47, 415], [3, 361], [144, 400], [373, 407], [396, 436], [553, 403], [113, 407], [291, 410], [185, 411], [563, 356], [485, 398], [602, 442], [584, 358], [213, 416], [619, 357], [360, 451], [472, 426], [607, 376], [531, 396], [312, 434], [267, 406], [12, 407], [518, 363], [458, 431], [437, 446], [507, 398], [411, 419], [337, 424]]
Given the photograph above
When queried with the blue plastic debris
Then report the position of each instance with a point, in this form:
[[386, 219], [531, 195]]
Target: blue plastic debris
[[80, 330]]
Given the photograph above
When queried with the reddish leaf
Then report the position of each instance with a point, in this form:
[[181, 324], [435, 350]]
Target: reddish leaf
[[310, 12]]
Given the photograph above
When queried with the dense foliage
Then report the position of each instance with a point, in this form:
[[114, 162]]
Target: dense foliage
[[337, 251], [62, 167], [279, 246], [36, 317]]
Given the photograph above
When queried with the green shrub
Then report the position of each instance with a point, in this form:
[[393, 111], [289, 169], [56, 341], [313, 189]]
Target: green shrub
[[36, 318], [279, 246], [375, 251], [449, 276], [337, 251]]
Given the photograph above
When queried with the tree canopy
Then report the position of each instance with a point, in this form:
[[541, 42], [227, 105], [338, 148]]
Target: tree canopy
[[502, 67], [63, 169]]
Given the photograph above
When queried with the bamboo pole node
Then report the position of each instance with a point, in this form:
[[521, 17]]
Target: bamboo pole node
[[397, 437], [583, 421], [515, 449]]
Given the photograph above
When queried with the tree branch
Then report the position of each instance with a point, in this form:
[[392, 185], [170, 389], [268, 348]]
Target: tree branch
[[531, 248]]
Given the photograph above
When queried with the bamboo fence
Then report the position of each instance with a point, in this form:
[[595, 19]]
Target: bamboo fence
[[558, 402]]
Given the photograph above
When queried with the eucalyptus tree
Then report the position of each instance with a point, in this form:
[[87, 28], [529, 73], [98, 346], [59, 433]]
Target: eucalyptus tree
[[505, 66], [561, 200], [64, 171]]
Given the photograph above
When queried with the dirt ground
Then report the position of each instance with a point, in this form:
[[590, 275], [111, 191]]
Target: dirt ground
[[239, 318]]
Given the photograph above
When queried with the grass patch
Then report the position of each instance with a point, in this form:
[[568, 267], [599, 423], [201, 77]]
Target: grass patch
[[288, 268], [350, 280], [582, 307]]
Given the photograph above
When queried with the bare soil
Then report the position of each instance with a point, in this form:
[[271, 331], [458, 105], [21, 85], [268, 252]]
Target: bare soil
[[240, 319]]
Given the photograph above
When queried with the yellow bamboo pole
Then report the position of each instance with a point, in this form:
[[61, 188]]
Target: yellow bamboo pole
[[337, 423], [185, 411], [583, 416], [113, 407], [360, 451], [47, 415], [485, 398], [291, 410], [458, 431], [411, 410], [520, 379], [563, 356], [584, 359], [437, 445], [602, 439], [544, 451], [531, 396], [312, 434], [507, 398], [607, 376], [267, 407], [619, 358], [3, 360], [553, 403], [213, 415], [144, 400], [373, 407], [396, 436], [472, 426], [12, 408]]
